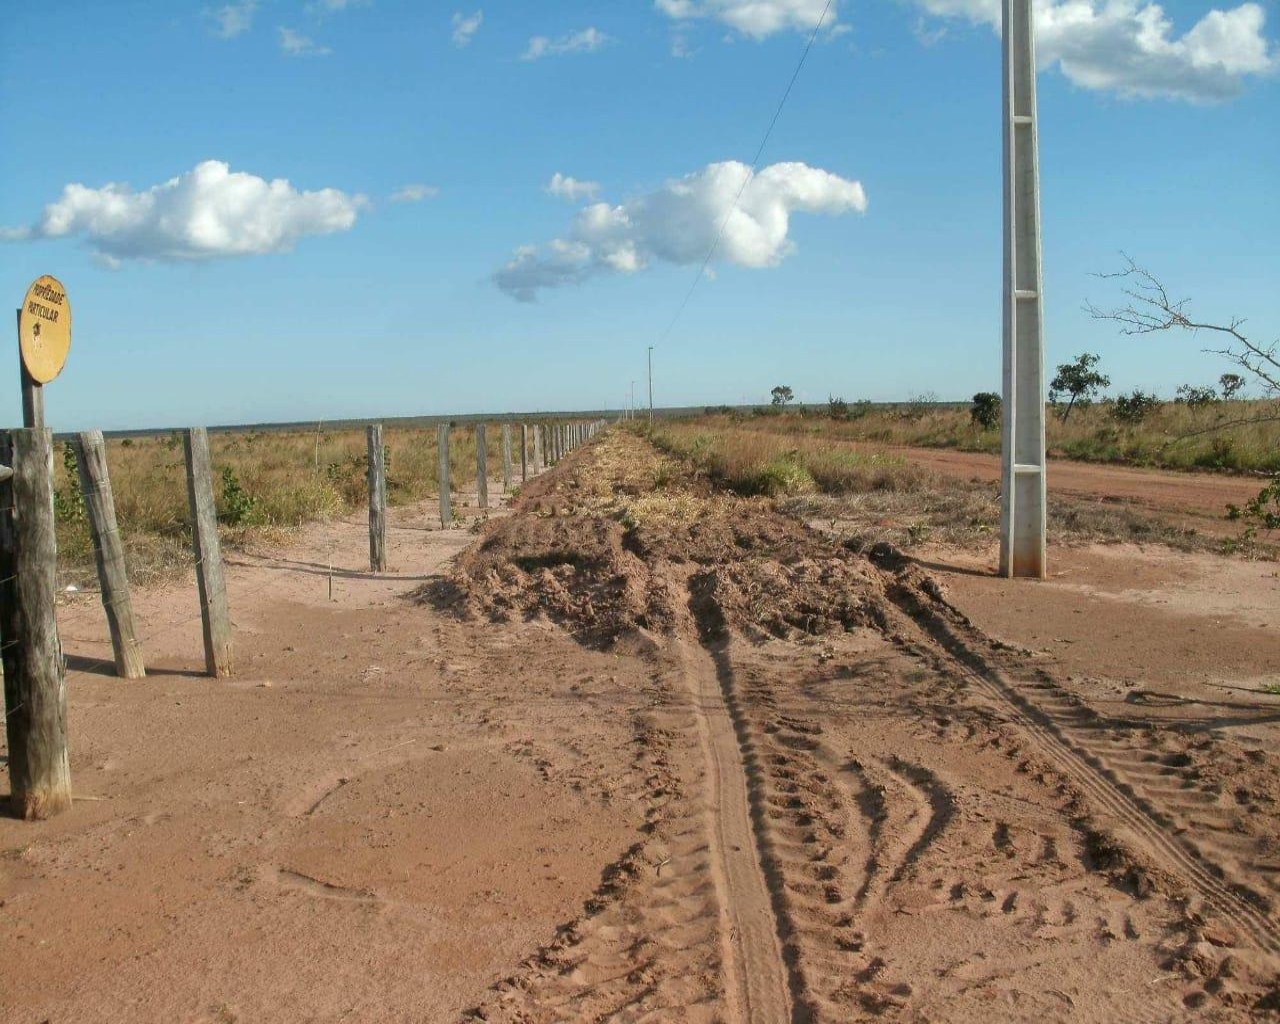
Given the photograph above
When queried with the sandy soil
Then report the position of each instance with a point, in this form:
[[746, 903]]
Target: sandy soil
[[1193, 500], [631, 755]]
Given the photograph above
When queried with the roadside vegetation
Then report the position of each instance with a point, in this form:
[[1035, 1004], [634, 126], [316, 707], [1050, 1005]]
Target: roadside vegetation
[[1136, 429], [264, 482], [833, 478]]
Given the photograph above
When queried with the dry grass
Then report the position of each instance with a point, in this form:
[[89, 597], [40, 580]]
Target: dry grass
[[869, 494], [1174, 436], [751, 461], [287, 479]]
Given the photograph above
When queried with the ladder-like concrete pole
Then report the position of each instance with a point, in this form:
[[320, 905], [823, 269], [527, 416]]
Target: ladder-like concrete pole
[[1022, 511]]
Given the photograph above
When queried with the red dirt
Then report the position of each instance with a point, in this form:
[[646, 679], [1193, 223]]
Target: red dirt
[[665, 756]]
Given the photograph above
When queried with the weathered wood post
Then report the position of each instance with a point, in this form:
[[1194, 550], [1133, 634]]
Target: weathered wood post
[[506, 457], [377, 473], [208, 553], [442, 473], [538, 448], [35, 694], [482, 467], [108, 553], [524, 452]]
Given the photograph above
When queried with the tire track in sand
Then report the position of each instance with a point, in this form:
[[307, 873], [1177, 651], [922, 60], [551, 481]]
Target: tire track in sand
[[756, 979], [961, 645]]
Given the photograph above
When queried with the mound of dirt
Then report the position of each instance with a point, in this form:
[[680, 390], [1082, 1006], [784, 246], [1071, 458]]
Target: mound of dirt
[[573, 570], [602, 563]]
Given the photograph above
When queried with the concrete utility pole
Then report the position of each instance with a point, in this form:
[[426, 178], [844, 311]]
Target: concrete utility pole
[[1022, 511], [650, 385]]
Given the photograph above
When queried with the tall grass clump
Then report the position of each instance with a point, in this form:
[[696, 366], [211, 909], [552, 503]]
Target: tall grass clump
[[749, 461]]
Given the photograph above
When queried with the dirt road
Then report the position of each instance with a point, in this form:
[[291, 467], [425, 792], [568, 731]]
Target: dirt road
[[642, 753], [1196, 500]]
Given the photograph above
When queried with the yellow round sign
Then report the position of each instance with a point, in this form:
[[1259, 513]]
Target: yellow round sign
[[44, 329]]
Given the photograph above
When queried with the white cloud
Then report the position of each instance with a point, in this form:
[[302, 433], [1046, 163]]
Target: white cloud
[[206, 213], [465, 26], [588, 40], [231, 20], [679, 222], [755, 18], [571, 188], [1130, 46], [414, 193], [295, 44], [680, 48]]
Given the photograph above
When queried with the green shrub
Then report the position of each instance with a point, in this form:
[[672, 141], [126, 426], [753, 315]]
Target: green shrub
[[237, 505], [68, 500], [985, 411], [1134, 407]]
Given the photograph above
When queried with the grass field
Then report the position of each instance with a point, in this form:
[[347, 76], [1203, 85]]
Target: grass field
[[823, 470], [264, 482], [1172, 436]]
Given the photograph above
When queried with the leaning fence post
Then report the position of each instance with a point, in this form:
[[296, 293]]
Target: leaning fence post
[[208, 553], [108, 552], [482, 467], [377, 474], [442, 474], [524, 452], [35, 689], [506, 457]]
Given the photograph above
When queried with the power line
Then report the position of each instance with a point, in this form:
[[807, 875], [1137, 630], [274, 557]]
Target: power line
[[755, 162]]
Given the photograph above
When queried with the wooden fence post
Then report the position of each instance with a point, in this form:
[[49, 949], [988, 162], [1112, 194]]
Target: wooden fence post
[[108, 553], [538, 448], [35, 688], [208, 553], [377, 474], [482, 467], [506, 457], [524, 452], [442, 473]]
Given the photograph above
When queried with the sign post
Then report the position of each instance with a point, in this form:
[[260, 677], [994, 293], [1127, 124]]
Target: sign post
[[35, 685]]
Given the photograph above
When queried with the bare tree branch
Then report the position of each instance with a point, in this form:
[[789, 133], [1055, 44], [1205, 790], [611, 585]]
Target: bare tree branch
[[1150, 310]]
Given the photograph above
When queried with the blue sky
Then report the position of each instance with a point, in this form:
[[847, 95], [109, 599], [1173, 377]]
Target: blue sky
[[867, 265]]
